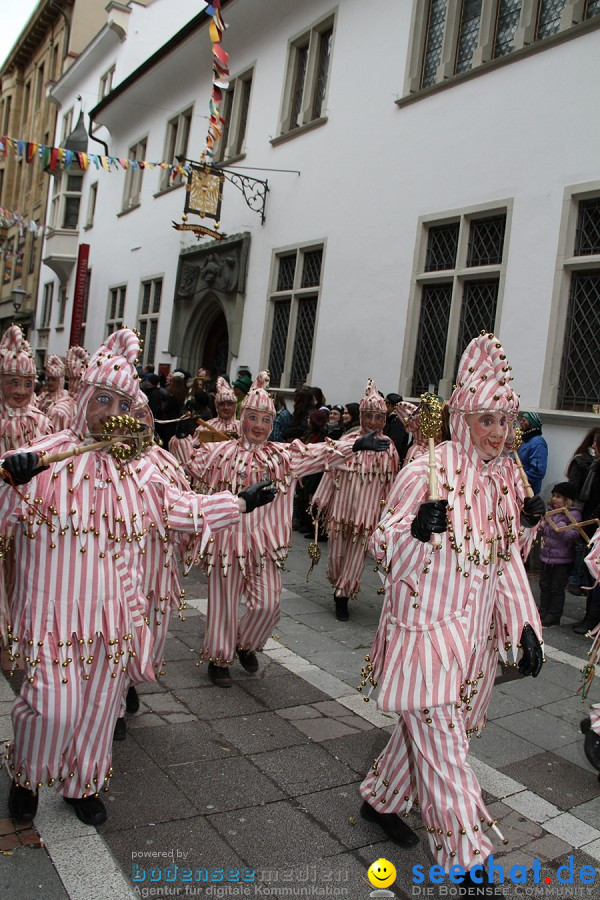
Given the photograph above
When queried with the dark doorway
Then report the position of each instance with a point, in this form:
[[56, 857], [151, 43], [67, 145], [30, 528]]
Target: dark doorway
[[216, 347]]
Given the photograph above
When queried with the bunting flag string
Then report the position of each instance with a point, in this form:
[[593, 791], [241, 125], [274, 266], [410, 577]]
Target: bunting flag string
[[220, 79], [60, 158], [8, 218]]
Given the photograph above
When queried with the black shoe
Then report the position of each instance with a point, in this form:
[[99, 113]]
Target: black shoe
[[395, 828], [591, 744], [132, 701], [248, 661], [584, 626], [549, 621], [575, 590], [89, 810], [341, 609], [219, 675], [120, 732], [22, 803], [471, 888]]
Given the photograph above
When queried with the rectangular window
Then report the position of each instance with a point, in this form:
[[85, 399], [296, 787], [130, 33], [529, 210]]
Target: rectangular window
[[6, 119], [8, 254], [33, 244], [71, 200], [91, 207], [457, 300], [39, 87], [549, 17], [434, 40], [67, 127], [309, 62], [134, 174], [19, 254], [62, 304], [116, 309], [592, 9], [176, 144], [579, 383], [148, 318], [26, 111], [468, 34], [235, 114], [294, 305], [47, 304], [106, 83]]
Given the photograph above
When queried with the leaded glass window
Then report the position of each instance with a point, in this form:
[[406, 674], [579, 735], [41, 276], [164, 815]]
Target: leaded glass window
[[298, 85], [311, 269], [587, 234], [509, 14], [442, 243], [148, 318], [478, 312], [325, 39], [549, 17], [303, 343], [435, 39], [592, 9], [486, 240], [287, 270], [436, 301], [579, 387], [468, 34], [298, 277], [281, 319]]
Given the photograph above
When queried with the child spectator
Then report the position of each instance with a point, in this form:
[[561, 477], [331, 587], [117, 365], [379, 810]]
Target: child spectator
[[557, 554]]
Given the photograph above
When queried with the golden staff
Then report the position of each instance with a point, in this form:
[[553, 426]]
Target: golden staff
[[216, 434], [120, 444], [517, 441], [430, 423]]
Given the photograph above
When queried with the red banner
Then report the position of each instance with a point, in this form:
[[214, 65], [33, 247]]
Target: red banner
[[79, 294]]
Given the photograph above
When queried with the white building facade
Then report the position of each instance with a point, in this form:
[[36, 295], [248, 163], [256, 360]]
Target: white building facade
[[432, 169]]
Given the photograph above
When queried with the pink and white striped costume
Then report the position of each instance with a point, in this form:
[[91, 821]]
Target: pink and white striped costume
[[227, 423], [452, 607], [245, 563], [350, 499], [55, 369], [80, 531], [592, 561], [19, 426], [62, 412]]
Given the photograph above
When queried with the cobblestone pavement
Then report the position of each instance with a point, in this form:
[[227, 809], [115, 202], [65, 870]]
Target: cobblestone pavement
[[257, 785]]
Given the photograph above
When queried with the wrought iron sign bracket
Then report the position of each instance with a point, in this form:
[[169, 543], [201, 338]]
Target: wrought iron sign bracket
[[254, 190]]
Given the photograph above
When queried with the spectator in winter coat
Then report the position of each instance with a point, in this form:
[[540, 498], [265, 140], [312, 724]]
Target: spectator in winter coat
[[533, 452], [557, 554]]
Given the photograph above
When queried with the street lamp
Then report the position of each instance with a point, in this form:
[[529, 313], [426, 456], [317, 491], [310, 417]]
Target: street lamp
[[17, 295]]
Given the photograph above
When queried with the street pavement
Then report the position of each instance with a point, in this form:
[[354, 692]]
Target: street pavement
[[253, 791]]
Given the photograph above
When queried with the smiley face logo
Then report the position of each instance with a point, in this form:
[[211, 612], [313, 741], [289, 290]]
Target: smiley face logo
[[381, 873]]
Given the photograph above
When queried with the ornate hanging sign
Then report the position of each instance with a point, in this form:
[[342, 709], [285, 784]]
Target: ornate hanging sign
[[203, 196]]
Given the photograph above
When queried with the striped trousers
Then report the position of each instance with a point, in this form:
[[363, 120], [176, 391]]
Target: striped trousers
[[425, 764], [346, 561], [260, 591], [63, 720]]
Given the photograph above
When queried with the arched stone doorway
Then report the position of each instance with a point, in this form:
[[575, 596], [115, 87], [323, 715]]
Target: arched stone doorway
[[206, 341], [216, 347]]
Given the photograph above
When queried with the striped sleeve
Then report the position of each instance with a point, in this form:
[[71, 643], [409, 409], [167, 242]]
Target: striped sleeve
[[307, 459]]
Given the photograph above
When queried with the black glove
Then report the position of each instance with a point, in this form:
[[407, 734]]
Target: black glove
[[533, 510], [532, 660], [21, 467], [430, 519], [368, 441], [186, 427], [258, 494]]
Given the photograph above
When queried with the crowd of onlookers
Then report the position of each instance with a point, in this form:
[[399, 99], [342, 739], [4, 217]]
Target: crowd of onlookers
[[311, 419]]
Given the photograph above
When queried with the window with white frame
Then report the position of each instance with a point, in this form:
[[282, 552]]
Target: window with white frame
[[67, 127], [86, 303], [458, 283], [148, 318], [579, 382], [47, 304], [294, 302], [307, 75], [116, 308], [66, 199], [91, 206], [62, 305], [450, 37], [106, 83], [133, 176], [176, 144], [235, 113]]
